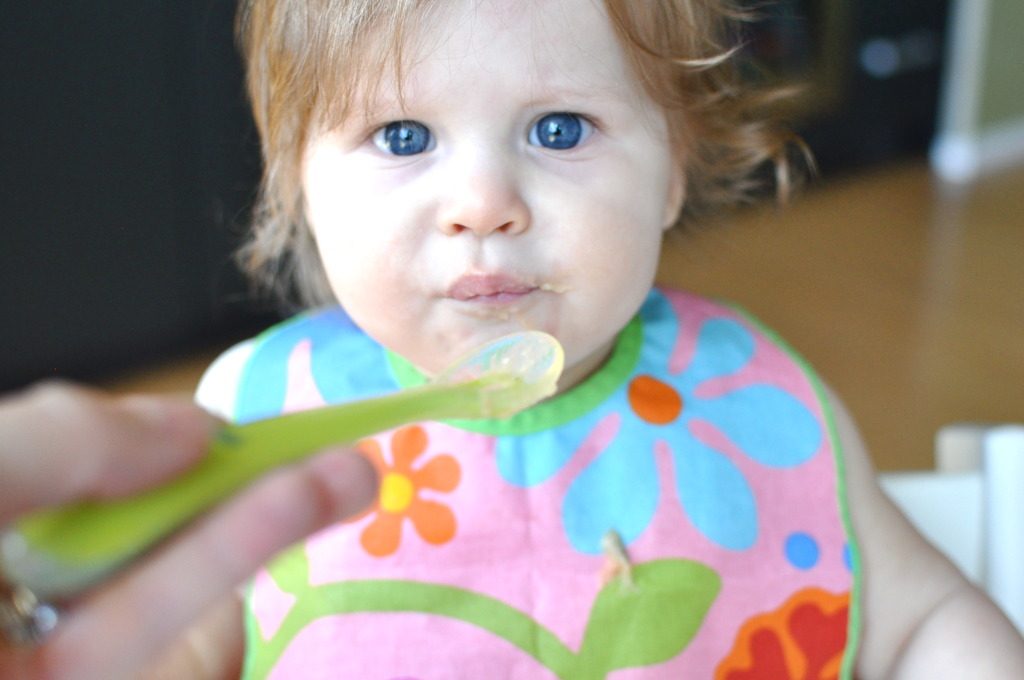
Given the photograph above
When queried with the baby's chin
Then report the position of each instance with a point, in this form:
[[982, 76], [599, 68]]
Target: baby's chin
[[580, 365], [433, 363]]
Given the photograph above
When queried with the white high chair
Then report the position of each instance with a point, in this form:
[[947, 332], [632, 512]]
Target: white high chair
[[972, 507]]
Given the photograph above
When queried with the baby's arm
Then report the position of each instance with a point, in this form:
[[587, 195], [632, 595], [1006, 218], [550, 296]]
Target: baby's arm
[[921, 617]]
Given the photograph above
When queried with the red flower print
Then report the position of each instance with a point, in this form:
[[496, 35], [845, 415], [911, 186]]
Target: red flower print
[[802, 640]]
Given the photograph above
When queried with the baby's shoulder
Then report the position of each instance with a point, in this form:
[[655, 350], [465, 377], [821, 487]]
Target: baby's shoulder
[[217, 391], [321, 353], [218, 387]]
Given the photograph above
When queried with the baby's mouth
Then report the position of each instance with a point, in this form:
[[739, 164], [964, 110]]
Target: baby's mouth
[[495, 289]]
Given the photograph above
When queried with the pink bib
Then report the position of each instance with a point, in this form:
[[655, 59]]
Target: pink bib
[[678, 515]]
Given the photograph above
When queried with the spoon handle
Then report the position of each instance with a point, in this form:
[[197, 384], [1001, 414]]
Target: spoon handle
[[60, 551]]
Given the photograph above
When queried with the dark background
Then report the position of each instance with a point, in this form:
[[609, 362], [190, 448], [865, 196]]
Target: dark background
[[128, 161]]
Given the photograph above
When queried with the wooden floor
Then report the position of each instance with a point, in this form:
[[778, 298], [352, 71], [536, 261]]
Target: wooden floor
[[907, 295]]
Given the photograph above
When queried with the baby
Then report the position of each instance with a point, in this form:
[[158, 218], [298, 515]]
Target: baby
[[693, 503]]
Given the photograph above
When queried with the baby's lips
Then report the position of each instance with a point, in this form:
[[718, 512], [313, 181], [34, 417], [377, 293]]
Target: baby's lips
[[476, 285]]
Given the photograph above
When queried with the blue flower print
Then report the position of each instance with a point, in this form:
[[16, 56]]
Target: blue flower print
[[619, 488]]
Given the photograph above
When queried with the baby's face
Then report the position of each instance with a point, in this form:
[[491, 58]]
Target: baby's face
[[526, 183]]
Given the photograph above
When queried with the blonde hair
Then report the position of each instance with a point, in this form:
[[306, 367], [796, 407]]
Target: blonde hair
[[306, 61]]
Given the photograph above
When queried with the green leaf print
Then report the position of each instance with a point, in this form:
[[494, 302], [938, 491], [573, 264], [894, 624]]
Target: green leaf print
[[290, 569], [650, 622], [630, 625]]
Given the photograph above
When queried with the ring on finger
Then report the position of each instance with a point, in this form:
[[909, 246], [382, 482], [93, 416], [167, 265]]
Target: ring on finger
[[24, 619]]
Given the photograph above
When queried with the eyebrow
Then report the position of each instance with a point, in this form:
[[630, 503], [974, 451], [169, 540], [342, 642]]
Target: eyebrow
[[544, 91]]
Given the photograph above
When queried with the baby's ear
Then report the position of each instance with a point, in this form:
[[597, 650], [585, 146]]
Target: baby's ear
[[676, 196]]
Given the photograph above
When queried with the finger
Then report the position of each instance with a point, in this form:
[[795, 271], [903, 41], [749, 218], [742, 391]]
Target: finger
[[122, 629], [60, 442], [212, 649]]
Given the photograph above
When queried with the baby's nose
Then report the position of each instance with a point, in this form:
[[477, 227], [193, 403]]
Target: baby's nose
[[483, 195]]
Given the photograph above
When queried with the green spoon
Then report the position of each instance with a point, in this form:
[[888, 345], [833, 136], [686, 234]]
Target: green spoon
[[58, 552]]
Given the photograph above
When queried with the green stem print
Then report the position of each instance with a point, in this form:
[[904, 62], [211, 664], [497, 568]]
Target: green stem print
[[630, 625]]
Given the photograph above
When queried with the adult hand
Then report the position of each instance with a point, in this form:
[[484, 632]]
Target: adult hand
[[60, 443]]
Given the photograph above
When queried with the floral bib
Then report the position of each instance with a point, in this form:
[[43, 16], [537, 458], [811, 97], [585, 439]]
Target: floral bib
[[680, 514]]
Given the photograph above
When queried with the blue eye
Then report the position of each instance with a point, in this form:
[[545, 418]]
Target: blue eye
[[404, 138], [560, 131]]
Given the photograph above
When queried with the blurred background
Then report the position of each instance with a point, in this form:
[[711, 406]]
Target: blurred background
[[129, 164]]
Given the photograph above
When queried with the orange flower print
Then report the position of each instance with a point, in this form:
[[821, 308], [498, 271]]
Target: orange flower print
[[802, 640], [400, 488]]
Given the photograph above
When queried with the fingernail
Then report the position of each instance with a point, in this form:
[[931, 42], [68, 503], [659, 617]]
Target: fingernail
[[172, 414]]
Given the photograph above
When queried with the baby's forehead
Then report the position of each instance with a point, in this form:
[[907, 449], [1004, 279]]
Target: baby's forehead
[[541, 45]]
